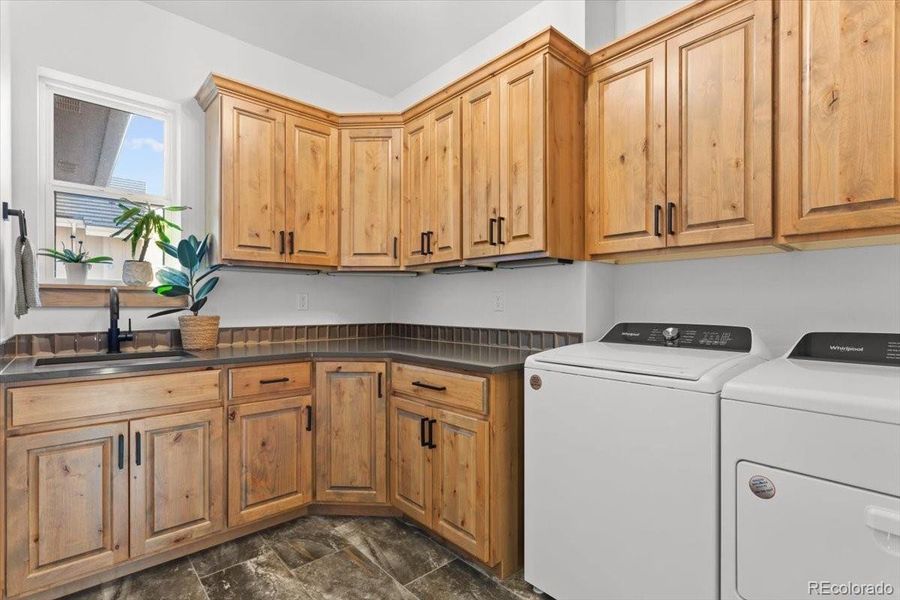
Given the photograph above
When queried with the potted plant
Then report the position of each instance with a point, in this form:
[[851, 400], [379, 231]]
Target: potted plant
[[77, 262], [142, 221], [192, 280]]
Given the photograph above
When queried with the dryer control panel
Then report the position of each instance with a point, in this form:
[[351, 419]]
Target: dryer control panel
[[863, 348], [704, 337]]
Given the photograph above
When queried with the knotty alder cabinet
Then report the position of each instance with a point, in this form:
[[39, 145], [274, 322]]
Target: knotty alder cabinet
[[679, 138]]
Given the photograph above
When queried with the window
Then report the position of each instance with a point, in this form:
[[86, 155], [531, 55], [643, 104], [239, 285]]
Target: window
[[100, 144]]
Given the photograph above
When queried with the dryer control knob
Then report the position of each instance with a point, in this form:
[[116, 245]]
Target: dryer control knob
[[670, 334]]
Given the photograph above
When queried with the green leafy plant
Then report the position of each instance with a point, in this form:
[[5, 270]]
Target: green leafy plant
[[142, 221], [71, 255], [189, 281]]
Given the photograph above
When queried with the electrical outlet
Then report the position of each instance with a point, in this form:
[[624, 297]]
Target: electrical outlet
[[499, 302], [303, 301]]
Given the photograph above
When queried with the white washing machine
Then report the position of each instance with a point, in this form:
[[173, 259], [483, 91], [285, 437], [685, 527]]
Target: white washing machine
[[622, 461], [811, 472]]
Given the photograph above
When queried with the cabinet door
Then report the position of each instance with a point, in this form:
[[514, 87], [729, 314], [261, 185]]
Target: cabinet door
[[417, 179], [311, 201], [411, 475], [839, 115], [351, 436], [67, 505], [252, 182], [446, 187], [719, 102], [177, 479], [481, 169], [269, 458], [370, 197], [461, 494], [626, 153], [521, 226]]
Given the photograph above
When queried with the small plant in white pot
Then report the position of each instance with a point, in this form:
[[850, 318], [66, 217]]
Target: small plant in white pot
[[142, 222], [76, 262], [197, 332]]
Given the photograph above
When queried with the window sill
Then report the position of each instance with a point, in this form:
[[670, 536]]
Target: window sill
[[60, 295]]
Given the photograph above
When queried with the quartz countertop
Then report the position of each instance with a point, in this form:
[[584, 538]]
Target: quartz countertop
[[468, 357]]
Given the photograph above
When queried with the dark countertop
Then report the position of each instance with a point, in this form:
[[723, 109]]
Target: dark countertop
[[468, 357]]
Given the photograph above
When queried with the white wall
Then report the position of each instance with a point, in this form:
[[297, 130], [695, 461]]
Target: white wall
[[634, 14], [138, 47], [7, 230], [600, 23]]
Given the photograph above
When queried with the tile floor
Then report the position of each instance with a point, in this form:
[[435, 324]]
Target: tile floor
[[313, 558]]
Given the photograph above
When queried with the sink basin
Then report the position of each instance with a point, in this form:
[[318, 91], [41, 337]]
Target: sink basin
[[92, 358]]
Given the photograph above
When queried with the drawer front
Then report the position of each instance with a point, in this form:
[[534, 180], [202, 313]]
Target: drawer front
[[62, 401], [453, 389], [270, 379]]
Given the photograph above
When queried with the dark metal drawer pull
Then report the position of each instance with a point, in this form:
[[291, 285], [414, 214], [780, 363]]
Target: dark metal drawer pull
[[137, 448], [309, 417], [422, 244], [491, 222], [281, 243], [380, 392], [431, 443], [430, 386], [279, 380], [670, 218], [121, 451], [422, 423], [500, 230], [657, 213], [291, 241], [428, 235]]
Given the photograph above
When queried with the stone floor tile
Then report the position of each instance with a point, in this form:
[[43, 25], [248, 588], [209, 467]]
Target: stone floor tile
[[459, 581], [175, 579], [262, 578], [349, 575], [228, 554], [305, 539]]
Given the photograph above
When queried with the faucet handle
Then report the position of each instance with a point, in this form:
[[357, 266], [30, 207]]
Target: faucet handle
[[127, 337]]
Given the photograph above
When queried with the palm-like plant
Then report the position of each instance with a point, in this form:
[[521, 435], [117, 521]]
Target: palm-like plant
[[189, 280], [70, 255], [142, 221]]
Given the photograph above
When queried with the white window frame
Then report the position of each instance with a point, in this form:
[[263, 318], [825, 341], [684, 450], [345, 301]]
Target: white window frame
[[50, 83]]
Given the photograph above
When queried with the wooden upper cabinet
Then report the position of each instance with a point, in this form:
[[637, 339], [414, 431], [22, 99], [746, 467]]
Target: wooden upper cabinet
[[252, 182], [177, 479], [66, 505], [312, 187], [270, 468], [351, 432], [521, 220], [370, 197], [417, 184], [719, 102], [626, 153], [839, 115], [481, 168], [445, 218]]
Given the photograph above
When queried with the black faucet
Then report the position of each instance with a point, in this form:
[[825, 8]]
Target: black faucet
[[114, 337]]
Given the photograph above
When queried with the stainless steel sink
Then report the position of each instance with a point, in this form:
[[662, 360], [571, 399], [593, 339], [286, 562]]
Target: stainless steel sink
[[93, 358]]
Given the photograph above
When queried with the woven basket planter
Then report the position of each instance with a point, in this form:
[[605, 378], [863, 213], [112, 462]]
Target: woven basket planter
[[199, 332]]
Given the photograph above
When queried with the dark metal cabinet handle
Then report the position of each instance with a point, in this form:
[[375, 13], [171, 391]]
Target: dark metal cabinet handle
[[278, 380], [281, 242], [137, 448], [422, 244], [657, 214], [232, 415], [491, 222], [431, 423], [380, 381], [309, 417], [430, 386], [291, 242], [395, 246], [670, 218], [121, 451], [500, 230], [422, 423], [428, 235]]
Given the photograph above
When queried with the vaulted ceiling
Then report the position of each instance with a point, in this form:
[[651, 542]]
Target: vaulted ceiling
[[384, 46]]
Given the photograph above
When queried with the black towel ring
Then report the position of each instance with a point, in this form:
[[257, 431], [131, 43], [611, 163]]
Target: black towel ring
[[23, 225]]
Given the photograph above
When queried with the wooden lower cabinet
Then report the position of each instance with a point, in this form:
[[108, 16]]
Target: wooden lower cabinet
[[270, 468], [177, 479], [67, 505], [351, 432], [411, 464]]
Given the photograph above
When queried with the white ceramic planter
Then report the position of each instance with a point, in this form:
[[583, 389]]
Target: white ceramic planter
[[137, 273], [76, 273]]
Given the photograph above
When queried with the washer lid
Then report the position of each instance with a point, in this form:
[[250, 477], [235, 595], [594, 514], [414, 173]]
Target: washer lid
[[660, 361], [847, 374]]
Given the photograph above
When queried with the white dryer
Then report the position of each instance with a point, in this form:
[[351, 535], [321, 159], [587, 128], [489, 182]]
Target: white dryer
[[622, 461], [811, 472]]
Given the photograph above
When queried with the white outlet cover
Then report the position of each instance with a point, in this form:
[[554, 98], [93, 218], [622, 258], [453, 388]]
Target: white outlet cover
[[499, 301], [303, 301]]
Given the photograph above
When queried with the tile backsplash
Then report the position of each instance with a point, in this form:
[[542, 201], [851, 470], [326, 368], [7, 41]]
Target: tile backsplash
[[45, 344]]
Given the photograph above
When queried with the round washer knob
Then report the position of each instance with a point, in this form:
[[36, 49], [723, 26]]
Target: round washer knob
[[671, 333]]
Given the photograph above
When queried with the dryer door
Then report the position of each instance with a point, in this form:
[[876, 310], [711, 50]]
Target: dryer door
[[803, 537]]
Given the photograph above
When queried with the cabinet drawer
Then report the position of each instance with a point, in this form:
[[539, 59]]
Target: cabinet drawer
[[61, 401], [267, 379], [454, 389]]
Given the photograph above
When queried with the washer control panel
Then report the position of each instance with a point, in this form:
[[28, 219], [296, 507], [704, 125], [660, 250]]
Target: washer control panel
[[704, 337], [863, 348]]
